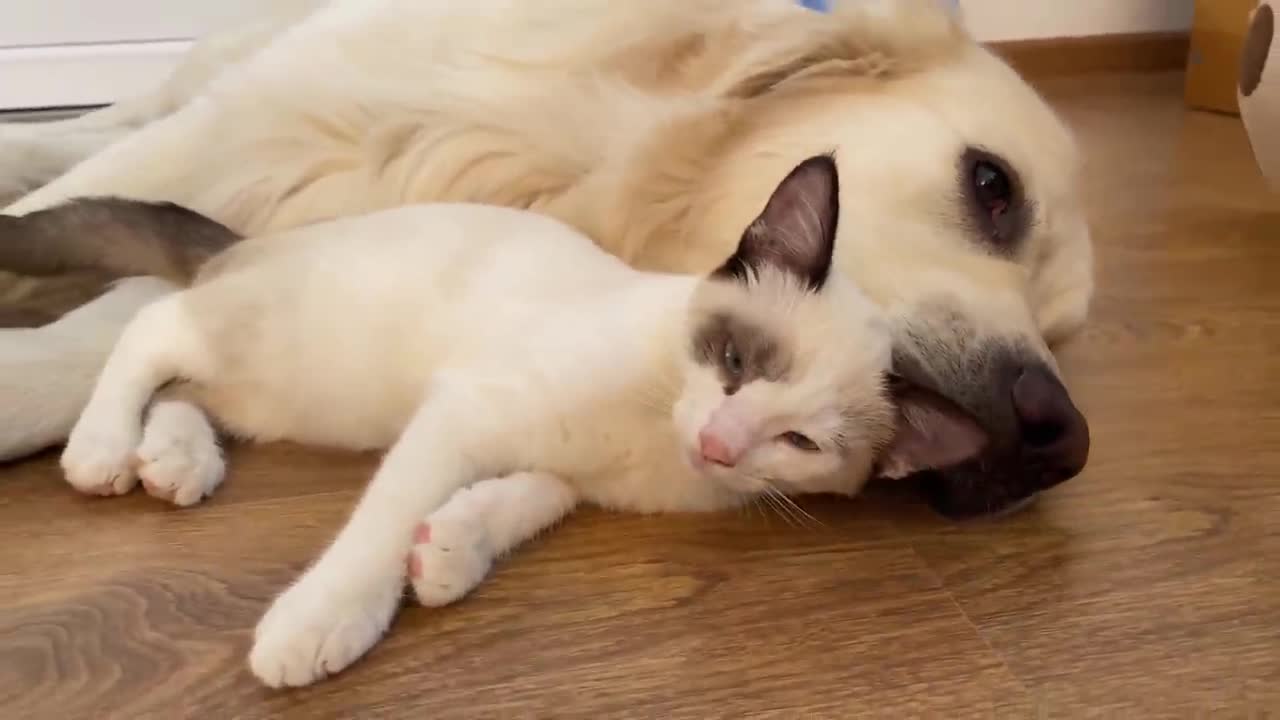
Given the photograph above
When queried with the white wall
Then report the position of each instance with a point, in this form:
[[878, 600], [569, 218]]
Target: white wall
[[89, 52], [83, 74], [992, 20], [27, 23], [86, 52]]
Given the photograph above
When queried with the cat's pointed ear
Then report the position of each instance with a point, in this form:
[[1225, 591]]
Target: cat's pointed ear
[[796, 231], [932, 433]]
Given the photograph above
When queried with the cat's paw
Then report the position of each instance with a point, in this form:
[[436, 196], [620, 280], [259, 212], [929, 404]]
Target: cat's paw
[[179, 460], [98, 458], [317, 628], [448, 559]]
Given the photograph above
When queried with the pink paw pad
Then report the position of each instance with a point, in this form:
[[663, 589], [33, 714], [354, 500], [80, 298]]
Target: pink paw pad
[[421, 536]]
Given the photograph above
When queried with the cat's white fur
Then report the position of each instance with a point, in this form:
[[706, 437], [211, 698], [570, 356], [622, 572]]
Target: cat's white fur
[[649, 125], [492, 348], [454, 549]]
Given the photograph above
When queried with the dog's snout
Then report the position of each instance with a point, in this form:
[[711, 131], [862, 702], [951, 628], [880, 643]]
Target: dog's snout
[[1037, 438], [1052, 430]]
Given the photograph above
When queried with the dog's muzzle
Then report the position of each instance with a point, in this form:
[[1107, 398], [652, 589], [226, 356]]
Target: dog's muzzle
[[1037, 436]]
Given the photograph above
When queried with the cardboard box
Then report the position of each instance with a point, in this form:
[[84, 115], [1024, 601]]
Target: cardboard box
[[1213, 65]]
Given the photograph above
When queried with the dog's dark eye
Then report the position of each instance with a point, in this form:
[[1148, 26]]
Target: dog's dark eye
[[799, 442], [992, 187], [1000, 214]]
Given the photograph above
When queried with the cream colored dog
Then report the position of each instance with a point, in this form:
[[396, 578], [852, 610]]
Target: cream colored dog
[[650, 126]]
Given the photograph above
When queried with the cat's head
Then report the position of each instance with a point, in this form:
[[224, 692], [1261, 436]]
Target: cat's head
[[786, 373]]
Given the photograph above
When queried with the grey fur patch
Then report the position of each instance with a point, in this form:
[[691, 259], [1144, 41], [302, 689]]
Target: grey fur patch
[[762, 355], [113, 237]]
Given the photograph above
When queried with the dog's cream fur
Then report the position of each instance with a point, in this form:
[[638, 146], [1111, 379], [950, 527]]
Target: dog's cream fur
[[654, 127]]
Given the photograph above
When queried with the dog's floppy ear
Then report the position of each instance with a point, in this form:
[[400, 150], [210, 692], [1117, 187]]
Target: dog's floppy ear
[[796, 231]]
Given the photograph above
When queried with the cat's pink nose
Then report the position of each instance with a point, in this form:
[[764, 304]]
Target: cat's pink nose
[[715, 450]]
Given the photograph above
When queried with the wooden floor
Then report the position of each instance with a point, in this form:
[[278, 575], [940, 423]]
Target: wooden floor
[[1147, 588]]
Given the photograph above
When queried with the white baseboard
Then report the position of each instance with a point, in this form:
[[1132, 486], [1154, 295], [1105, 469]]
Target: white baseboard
[[87, 74]]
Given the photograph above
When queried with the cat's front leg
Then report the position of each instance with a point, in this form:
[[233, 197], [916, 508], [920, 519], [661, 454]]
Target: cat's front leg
[[457, 544], [179, 459], [343, 604], [158, 345]]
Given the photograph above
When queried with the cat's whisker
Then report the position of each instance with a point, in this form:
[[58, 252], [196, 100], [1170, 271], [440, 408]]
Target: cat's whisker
[[797, 520], [758, 504], [794, 510], [778, 507], [765, 504], [804, 513], [790, 502], [769, 503]]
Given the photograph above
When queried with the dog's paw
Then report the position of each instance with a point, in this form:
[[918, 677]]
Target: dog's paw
[[99, 459], [448, 559], [179, 459], [318, 628]]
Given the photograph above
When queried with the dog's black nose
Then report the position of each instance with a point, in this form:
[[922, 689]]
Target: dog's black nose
[[1054, 435]]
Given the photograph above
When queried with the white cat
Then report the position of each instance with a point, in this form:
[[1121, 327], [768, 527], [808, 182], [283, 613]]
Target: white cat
[[509, 364]]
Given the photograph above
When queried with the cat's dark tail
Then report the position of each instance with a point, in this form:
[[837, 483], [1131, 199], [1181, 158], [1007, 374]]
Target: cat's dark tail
[[112, 236]]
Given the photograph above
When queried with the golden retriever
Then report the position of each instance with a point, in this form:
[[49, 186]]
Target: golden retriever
[[653, 127]]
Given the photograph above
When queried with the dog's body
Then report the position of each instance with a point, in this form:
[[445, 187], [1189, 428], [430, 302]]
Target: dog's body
[[647, 125]]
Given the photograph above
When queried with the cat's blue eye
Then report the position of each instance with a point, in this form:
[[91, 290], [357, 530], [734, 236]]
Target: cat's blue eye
[[799, 442], [732, 360]]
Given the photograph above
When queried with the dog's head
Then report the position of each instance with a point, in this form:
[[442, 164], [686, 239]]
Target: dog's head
[[961, 218]]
